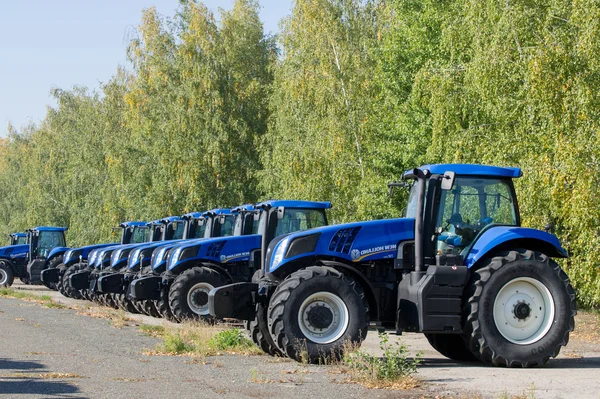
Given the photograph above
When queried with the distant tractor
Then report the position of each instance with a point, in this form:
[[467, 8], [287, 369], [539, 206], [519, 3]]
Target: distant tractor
[[13, 257], [458, 267], [52, 277], [44, 248]]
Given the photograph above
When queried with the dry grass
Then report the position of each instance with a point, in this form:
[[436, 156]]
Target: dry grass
[[43, 300], [199, 339], [117, 318], [587, 327], [44, 376]]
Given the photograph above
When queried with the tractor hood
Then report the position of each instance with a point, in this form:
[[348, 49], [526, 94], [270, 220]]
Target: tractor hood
[[218, 250], [14, 251], [351, 242], [72, 255]]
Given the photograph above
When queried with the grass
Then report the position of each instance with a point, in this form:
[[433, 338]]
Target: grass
[[43, 300], [199, 339], [394, 370]]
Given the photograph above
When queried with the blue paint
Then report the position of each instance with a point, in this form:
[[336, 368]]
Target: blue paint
[[472, 170], [495, 236], [295, 204], [372, 240]]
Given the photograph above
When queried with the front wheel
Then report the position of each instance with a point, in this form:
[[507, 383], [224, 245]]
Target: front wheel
[[6, 275], [65, 287], [188, 296], [520, 310], [316, 312]]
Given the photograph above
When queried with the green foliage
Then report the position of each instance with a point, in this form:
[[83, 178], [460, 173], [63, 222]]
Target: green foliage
[[233, 339], [394, 364], [214, 114]]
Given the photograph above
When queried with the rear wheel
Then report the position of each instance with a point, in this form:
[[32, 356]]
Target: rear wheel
[[188, 296], [316, 312], [6, 275], [65, 286], [126, 304], [452, 346], [520, 311], [162, 305]]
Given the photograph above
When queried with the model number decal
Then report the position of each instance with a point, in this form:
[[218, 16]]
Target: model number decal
[[357, 254]]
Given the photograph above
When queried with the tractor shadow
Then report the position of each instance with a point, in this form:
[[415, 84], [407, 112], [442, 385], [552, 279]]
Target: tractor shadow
[[12, 383], [560, 363]]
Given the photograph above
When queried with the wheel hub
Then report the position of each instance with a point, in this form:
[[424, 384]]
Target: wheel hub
[[197, 298], [320, 316], [522, 310], [3, 276], [323, 317]]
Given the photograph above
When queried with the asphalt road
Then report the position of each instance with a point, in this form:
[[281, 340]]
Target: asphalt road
[[56, 353]]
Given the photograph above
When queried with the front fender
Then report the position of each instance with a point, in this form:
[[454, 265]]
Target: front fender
[[509, 237], [58, 251]]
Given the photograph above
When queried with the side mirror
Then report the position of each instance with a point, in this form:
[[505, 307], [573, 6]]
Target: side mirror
[[256, 216], [222, 219], [448, 181], [280, 212]]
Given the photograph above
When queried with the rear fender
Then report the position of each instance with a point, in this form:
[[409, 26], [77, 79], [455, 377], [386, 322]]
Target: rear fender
[[506, 237]]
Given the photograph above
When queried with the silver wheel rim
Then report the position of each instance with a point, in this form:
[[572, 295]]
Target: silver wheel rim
[[200, 309], [333, 308], [3, 277], [524, 310]]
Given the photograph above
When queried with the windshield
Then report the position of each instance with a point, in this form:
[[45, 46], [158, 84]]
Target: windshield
[[411, 208], [471, 205], [299, 219], [48, 240], [226, 228], [196, 228], [178, 228], [139, 234]]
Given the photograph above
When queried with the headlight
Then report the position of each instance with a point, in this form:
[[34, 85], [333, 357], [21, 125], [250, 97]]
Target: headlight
[[160, 255], [92, 258], [115, 256], [175, 257], [279, 252], [67, 256], [135, 256]]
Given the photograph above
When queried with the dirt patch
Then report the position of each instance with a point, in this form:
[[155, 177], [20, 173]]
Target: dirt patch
[[587, 327]]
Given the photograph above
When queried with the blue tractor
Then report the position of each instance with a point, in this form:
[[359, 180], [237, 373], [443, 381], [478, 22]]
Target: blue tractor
[[47, 246], [82, 278], [193, 269], [458, 267], [198, 226], [13, 257], [131, 232]]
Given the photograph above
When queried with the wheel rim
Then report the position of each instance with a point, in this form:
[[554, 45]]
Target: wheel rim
[[197, 298], [323, 317], [524, 311], [3, 277]]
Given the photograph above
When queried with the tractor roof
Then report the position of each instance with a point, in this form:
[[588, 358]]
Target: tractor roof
[[472, 170], [18, 235], [132, 224], [192, 215], [217, 212], [170, 219], [48, 228], [295, 204], [245, 207]]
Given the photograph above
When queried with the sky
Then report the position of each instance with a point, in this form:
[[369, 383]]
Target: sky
[[46, 44]]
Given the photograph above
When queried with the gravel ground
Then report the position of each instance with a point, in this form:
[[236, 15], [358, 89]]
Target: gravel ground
[[60, 353]]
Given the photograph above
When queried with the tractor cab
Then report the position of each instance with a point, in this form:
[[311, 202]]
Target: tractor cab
[[42, 240], [18, 239], [47, 245], [133, 232]]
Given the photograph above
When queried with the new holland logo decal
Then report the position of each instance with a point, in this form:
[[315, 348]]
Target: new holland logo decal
[[358, 255]]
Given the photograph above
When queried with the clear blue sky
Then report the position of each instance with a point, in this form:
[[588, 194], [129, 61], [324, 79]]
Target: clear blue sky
[[63, 43]]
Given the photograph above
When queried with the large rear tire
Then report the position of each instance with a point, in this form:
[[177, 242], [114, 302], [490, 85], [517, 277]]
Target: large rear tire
[[7, 277], [452, 346], [316, 312], [65, 286], [520, 310], [188, 296]]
